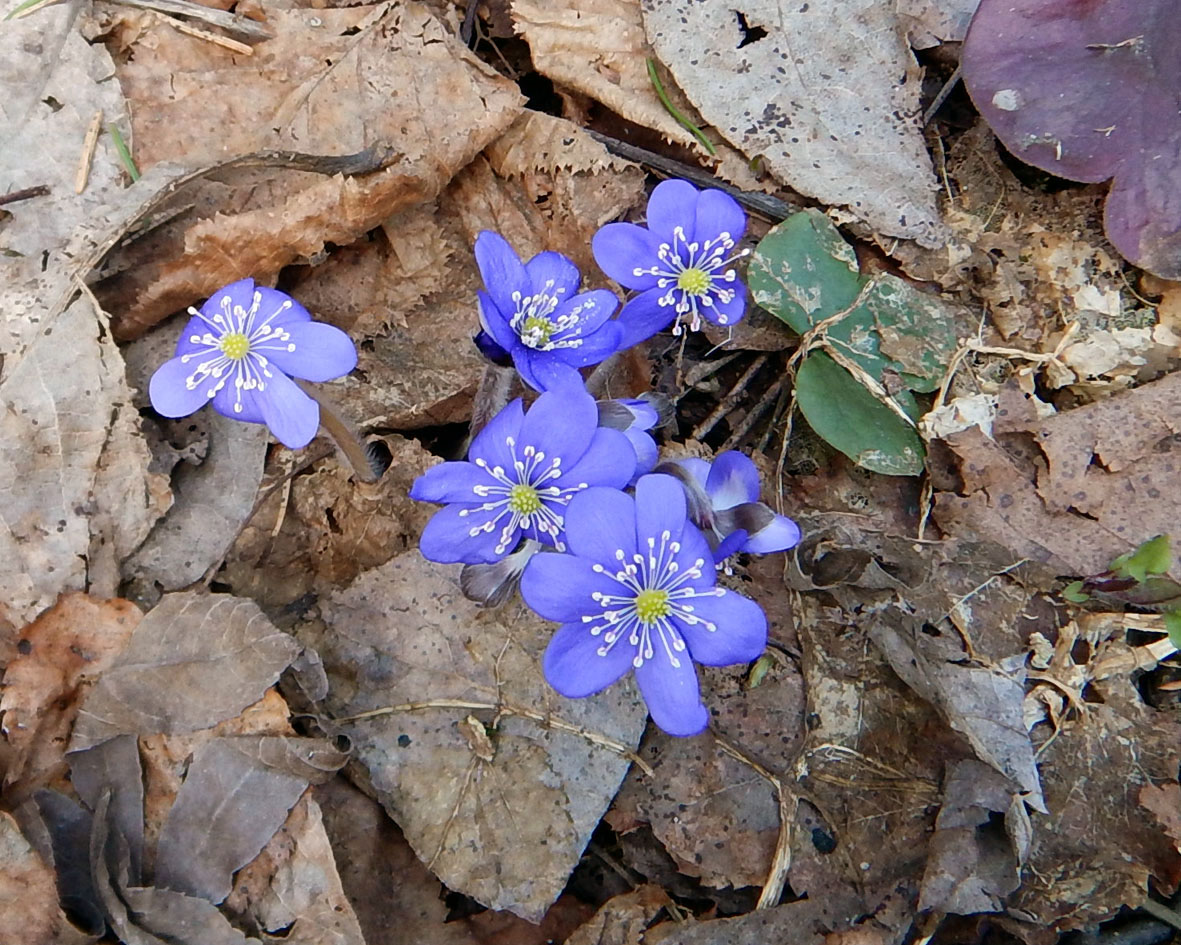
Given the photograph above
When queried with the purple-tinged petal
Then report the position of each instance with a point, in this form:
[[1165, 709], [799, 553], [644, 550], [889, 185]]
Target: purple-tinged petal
[[292, 415], [646, 450], [195, 327], [560, 424], [731, 544], [244, 405], [277, 309], [717, 213], [739, 628], [698, 468], [552, 274], [673, 203], [733, 479], [660, 508], [170, 396], [600, 522], [501, 270], [491, 443], [450, 482], [559, 587], [695, 553], [608, 461], [780, 535], [620, 249], [448, 537], [593, 309], [644, 317], [729, 313], [595, 347], [313, 351], [672, 694], [236, 294], [491, 351], [573, 666], [493, 321]]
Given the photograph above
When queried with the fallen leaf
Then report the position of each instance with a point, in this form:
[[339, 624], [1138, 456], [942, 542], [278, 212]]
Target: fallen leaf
[[193, 661], [1164, 803], [931, 22], [507, 832], [623, 919], [788, 97], [59, 656], [28, 890], [1102, 57]]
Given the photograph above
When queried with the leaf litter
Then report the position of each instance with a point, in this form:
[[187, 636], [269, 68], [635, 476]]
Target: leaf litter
[[934, 730]]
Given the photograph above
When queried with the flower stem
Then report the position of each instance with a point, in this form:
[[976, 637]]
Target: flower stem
[[492, 396], [346, 438]]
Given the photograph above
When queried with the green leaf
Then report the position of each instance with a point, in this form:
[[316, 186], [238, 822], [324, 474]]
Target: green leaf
[[1173, 625], [849, 417], [1074, 593], [1153, 557], [804, 272]]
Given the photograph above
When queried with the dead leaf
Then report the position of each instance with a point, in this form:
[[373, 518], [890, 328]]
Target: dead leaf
[[315, 88], [193, 661], [1164, 803], [59, 656], [828, 97], [109, 775], [507, 831], [28, 891], [931, 22], [623, 919]]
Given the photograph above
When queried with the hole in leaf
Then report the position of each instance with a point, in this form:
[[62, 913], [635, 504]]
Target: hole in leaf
[[750, 34]]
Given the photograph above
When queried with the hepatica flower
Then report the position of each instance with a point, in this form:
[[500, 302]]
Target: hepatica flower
[[637, 592], [724, 502], [521, 472], [534, 313], [240, 351], [634, 417], [682, 263]]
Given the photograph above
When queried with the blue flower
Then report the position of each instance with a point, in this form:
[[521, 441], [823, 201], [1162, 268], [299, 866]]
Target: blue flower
[[241, 350], [724, 503], [634, 417], [531, 312], [637, 591], [521, 472], [682, 263]]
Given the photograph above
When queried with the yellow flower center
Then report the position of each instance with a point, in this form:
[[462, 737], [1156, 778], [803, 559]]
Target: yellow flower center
[[524, 500], [651, 605], [234, 345], [536, 331], [694, 281]]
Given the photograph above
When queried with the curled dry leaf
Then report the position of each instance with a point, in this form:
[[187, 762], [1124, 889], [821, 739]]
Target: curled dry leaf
[[60, 655], [507, 831], [828, 96], [193, 661], [28, 891], [331, 82]]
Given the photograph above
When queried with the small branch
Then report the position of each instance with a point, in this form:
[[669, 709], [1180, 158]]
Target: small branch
[[27, 193], [242, 26]]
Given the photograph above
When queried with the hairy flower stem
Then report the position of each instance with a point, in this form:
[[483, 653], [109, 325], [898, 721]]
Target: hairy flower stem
[[346, 438], [492, 396]]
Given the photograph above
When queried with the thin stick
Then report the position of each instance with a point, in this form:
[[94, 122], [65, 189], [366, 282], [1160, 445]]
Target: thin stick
[[218, 40], [504, 708], [27, 193], [727, 403], [752, 415], [242, 26], [89, 143]]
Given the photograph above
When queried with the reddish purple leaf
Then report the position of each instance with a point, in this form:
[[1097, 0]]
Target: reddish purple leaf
[[1091, 90]]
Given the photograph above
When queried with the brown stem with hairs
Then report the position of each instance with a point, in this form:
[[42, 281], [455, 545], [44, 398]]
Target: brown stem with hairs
[[347, 440]]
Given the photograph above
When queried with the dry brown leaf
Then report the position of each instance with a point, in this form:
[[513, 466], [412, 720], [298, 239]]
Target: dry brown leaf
[[28, 890], [507, 832], [315, 89], [1104, 479], [1164, 803], [193, 661], [828, 96], [59, 656], [623, 919], [930, 22]]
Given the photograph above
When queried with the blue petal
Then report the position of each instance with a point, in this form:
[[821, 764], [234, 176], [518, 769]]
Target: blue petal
[[560, 424], [717, 213], [739, 632], [673, 203], [559, 587], [672, 693], [552, 274], [447, 537], [194, 328], [491, 351], [780, 535], [595, 347], [493, 321], [552, 375], [620, 249], [595, 307], [236, 294], [491, 443], [645, 449], [727, 313], [244, 405], [501, 271], [695, 553], [321, 352], [608, 461], [644, 412], [291, 414], [450, 482], [277, 309], [731, 544], [698, 468], [168, 393], [573, 666], [660, 508], [644, 316], [599, 522], [733, 479]]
